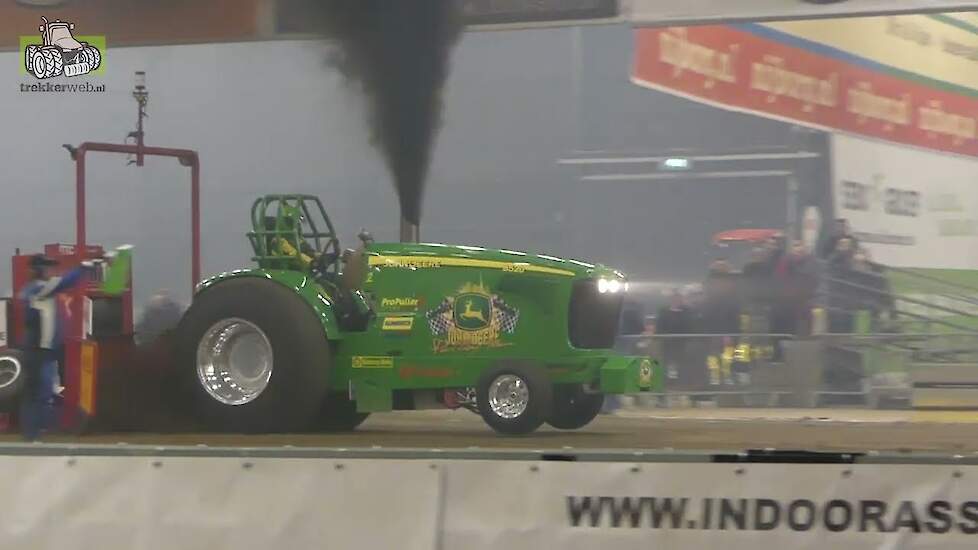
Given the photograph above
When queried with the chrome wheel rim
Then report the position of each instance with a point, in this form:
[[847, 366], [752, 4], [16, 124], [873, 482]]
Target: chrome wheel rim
[[234, 361], [508, 396], [10, 369]]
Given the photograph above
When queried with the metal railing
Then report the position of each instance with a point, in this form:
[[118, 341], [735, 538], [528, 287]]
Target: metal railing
[[829, 369], [864, 341]]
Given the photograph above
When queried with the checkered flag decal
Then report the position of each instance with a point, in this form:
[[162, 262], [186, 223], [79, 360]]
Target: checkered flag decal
[[506, 316], [439, 319]]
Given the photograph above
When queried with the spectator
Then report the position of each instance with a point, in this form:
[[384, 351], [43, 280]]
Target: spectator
[[840, 230], [796, 278], [841, 256], [874, 294], [721, 307], [775, 252], [758, 260], [841, 287], [721, 316], [674, 318], [755, 276], [694, 375], [695, 297], [162, 314], [886, 301], [43, 341]]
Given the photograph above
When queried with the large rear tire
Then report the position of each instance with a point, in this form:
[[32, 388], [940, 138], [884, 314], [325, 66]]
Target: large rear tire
[[573, 407], [29, 56], [514, 398], [255, 356]]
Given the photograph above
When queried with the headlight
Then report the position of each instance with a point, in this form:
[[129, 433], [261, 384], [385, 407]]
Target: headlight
[[611, 285]]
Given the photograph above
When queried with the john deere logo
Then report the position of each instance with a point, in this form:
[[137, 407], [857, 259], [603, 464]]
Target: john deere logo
[[645, 373], [58, 52], [472, 319], [472, 311]]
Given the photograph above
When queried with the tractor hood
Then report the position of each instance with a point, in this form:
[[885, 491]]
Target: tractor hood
[[433, 255]]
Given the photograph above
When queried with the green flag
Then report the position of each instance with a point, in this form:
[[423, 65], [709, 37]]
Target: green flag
[[117, 272]]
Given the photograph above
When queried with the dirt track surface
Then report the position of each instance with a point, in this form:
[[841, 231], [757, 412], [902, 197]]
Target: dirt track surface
[[675, 429]]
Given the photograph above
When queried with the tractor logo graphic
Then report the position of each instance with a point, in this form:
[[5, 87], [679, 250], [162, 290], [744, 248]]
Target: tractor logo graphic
[[472, 311], [60, 53], [472, 319]]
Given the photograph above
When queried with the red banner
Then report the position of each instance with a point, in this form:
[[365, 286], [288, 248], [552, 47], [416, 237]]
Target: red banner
[[738, 70]]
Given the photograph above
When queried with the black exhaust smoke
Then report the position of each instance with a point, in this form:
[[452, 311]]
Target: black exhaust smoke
[[397, 52]]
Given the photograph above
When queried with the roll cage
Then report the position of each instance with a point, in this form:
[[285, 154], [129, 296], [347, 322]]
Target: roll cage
[[269, 220]]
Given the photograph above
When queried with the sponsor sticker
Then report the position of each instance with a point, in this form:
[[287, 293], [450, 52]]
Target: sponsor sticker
[[373, 362], [400, 303], [398, 324]]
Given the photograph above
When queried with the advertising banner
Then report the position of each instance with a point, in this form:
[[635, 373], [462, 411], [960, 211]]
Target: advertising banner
[[775, 71], [908, 207], [520, 506], [663, 12], [938, 50]]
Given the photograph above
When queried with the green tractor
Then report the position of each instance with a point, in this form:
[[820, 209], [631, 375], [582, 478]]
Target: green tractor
[[317, 339]]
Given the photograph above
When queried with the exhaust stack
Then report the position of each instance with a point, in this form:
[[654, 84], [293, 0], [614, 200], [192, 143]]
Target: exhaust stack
[[409, 232]]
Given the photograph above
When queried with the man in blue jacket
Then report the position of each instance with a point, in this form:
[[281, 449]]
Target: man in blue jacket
[[43, 341]]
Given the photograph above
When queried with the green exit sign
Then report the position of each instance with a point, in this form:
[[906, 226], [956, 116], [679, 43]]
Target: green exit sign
[[499, 12]]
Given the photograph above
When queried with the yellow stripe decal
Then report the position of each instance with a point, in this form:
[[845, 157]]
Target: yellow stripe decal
[[441, 261]]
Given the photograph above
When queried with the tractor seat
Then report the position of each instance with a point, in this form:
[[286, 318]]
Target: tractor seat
[[354, 269]]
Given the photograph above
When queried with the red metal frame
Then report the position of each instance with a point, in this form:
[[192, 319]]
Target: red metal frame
[[186, 157], [82, 361], [73, 414]]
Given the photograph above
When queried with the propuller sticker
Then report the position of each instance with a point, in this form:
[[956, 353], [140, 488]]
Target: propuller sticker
[[409, 303], [473, 318]]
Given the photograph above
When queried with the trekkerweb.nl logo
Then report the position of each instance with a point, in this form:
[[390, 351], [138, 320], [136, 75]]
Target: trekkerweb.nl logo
[[59, 52]]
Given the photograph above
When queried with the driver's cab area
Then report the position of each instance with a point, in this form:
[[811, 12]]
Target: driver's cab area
[[293, 232]]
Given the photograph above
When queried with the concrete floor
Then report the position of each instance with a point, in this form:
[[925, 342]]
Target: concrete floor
[[677, 429]]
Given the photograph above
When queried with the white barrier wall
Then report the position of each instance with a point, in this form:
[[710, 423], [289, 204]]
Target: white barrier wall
[[213, 503], [216, 503]]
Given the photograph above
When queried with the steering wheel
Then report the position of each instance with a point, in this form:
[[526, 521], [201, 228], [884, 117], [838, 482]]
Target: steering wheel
[[328, 260]]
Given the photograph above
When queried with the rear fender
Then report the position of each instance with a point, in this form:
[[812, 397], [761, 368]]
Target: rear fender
[[303, 285]]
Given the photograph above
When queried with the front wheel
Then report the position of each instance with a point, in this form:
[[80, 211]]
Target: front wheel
[[514, 398], [93, 57], [573, 407], [47, 62]]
